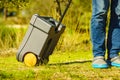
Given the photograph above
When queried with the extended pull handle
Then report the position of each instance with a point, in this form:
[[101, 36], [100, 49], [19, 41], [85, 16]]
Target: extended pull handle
[[62, 16]]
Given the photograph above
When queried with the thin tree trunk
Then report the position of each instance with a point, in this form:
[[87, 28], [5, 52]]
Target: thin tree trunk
[[5, 14]]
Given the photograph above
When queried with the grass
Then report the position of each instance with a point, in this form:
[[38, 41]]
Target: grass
[[10, 37], [62, 66]]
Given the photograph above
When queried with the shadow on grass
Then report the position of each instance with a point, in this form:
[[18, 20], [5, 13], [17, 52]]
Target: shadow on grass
[[71, 62]]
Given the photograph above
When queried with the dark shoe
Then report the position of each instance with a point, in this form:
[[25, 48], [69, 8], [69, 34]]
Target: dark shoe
[[99, 62]]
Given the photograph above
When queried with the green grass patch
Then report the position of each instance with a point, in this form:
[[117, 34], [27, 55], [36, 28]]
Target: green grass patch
[[10, 37], [62, 66]]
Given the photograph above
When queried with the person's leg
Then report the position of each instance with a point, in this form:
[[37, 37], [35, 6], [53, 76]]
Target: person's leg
[[98, 24], [114, 32], [98, 32]]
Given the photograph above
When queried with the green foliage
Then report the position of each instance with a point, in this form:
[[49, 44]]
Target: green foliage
[[7, 36], [84, 5], [50, 8], [10, 37], [12, 3], [4, 75]]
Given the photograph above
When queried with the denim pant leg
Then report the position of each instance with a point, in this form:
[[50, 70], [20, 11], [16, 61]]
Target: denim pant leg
[[114, 30], [98, 24]]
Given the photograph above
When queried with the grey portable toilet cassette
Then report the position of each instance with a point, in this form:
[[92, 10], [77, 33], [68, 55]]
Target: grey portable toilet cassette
[[40, 39]]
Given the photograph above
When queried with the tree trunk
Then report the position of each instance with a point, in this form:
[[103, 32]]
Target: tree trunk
[[5, 14]]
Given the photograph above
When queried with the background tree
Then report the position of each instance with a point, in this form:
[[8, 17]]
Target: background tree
[[11, 5]]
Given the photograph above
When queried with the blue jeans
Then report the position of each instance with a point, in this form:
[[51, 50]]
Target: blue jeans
[[100, 41]]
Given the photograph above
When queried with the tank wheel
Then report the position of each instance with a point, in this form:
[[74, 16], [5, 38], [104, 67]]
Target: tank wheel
[[30, 59]]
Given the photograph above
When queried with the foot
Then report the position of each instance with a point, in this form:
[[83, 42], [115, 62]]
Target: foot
[[99, 62], [115, 61]]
